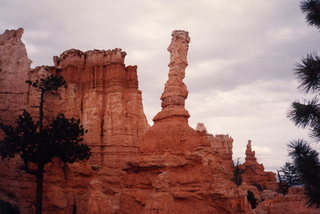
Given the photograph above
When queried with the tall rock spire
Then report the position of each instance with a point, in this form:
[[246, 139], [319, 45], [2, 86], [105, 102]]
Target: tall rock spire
[[251, 159], [171, 132], [175, 91]]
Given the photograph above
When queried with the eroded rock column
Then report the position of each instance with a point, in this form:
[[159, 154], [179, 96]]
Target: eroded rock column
[[175, 91], [250, 155]]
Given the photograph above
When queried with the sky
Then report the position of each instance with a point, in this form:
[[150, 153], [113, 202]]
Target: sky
[[241, 57]]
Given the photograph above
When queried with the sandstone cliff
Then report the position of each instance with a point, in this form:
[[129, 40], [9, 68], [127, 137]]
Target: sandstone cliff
[[104, 94]]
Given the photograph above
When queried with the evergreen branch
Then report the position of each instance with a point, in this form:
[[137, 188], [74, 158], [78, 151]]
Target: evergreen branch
[[308, 73], [312, 10]]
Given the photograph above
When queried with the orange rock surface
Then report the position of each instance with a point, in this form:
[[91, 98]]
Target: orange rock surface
[[293, 202], [223, 144], [254, 173]]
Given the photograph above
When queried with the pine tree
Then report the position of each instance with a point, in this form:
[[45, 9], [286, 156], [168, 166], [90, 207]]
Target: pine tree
[[289, 174], [38, 144], [306, 114], [306, 161]]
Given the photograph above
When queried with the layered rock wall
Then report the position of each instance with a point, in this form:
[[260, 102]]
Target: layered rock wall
[[222, 143], [103, 93]]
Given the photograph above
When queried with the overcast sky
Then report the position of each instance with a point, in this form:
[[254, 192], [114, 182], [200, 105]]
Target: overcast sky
[[241, 57]]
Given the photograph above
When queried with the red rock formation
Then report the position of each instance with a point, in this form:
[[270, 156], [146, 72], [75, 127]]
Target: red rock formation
[[104, 94], [14, 67], [254, 173], [178, 171], [166, 168], [223, 144], [251, 160], [293, 203], [175, 91], [171, 132]]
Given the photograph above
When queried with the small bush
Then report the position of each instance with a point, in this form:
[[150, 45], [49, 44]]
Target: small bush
[[252, 200]]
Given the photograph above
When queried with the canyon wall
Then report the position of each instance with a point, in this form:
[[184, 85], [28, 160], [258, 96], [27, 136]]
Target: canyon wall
[[134, 168], [103, 93]]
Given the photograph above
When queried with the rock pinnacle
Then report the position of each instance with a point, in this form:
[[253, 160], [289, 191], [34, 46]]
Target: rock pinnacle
[[175, 91]]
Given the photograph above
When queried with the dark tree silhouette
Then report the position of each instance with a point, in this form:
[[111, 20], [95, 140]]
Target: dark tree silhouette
[[306, 161], [237, 173], [7, 208], [306, 114], [253, 201], [312, 10], [288, 177], [37, 144]]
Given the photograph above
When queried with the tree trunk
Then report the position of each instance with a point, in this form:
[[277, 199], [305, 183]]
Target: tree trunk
[[40, 163], [39, 189], [41, 113]]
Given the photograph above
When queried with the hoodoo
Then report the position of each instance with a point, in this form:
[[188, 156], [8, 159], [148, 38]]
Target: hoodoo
[[171, 132], [175, 91], [178, 170]]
